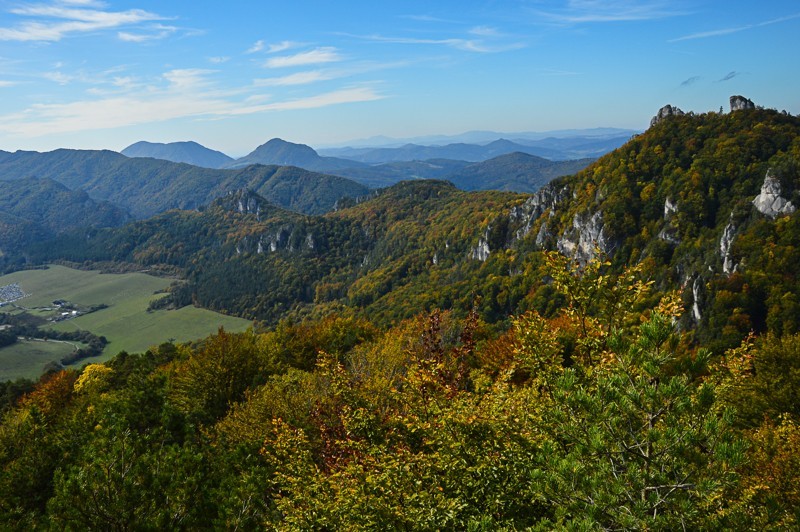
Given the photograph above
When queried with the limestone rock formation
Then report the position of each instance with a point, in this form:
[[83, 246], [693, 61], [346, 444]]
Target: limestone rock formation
[[770, 202], [725, 243], [586, 236], [740, 103], [665, 112]]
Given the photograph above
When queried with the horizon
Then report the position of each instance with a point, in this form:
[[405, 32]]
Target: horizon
[[89, 74]]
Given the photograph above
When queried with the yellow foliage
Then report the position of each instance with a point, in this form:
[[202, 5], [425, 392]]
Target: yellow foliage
[[94, 379]]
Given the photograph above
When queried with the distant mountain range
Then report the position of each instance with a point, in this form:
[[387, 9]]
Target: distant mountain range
[[179, 152], [281, 152], [33, 209], [516, 172], [472, 147], [145, 186]]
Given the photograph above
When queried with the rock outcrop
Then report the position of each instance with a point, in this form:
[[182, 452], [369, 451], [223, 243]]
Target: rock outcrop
[[725, 243], [544, 200], [585, 238], [770, 202], [665, 112], [740, 103]]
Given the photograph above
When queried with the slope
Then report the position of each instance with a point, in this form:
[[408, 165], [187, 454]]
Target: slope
[[179, 152], [146, 187]]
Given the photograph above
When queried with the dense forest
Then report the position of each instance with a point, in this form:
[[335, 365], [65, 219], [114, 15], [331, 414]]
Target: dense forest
[[620, 350], [600, 417]]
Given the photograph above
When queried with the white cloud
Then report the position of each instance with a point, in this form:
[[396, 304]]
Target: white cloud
[[58, 77], [53, 22], [6, 83], [187, 78], [298, 78], [282, 46], [257, 47], [590, 11], [484, 31], [468, 45], [728, 31], [325, 54], [219, 60], [181, 94], [349, 95]]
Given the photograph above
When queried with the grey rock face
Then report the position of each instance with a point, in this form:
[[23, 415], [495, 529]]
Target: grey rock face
[[670, 208], [740, 103], [586, 236], [725, 243], [770, 202], [529, 212], [481, 251], [697, 296], [665, 112]]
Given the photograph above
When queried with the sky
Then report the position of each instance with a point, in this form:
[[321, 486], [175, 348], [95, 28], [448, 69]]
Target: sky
[[103, 74]]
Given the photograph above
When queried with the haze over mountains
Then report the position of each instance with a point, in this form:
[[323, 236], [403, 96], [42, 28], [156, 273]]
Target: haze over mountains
[[383, 166], [179, 152]]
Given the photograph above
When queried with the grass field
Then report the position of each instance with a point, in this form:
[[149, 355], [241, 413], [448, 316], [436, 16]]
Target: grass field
[[28, 358], [125, 323]]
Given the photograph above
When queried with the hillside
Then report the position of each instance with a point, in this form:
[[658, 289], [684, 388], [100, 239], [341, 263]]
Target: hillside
[[383, 175], [428, 336], [179, 152], [677, 199], [517, 172], [280, 152], [34, 209], [146, 187]]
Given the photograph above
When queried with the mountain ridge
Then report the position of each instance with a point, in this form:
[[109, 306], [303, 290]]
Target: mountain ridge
[[189, 152]]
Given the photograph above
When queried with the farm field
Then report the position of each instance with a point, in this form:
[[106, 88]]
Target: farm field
[[27, 358], [125, 323]]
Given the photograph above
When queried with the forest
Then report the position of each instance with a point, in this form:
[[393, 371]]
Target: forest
[[603, 416], [426, 359]]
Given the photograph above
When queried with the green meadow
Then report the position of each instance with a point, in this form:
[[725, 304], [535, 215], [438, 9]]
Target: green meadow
[[126, 323]]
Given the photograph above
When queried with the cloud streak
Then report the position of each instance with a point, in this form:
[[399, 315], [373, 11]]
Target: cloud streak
[[183, 94], [600, 11], [729, 76], [467, 45], [728, 31], [53, 22], [690, 81], [325, 54]]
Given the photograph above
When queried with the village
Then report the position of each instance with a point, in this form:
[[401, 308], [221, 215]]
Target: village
[[10, 293]]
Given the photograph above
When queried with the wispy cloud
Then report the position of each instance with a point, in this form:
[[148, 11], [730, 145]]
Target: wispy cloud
[[157, 32], [468, 45], [58, 77], [298, 78], [325, 54], [181, 94], [257, 47], [736, 29], [54, 21], [690, 81], [429, 18], [219, 60], [282, 46], [556, 72], [729, 76], [595, 11], [6, 83]]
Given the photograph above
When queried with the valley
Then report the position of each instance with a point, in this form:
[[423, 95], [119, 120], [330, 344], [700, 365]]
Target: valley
[[123, 317]]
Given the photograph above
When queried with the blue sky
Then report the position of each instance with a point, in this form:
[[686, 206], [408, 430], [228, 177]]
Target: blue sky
[[104, 74]]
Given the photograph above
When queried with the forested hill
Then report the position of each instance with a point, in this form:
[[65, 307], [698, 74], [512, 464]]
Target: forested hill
[[529, 389], [242, 255], [146, 187], [681, 197], [33, 210], [678, 199]]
